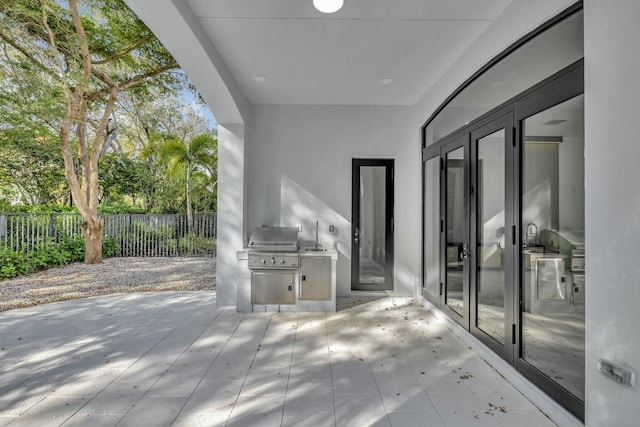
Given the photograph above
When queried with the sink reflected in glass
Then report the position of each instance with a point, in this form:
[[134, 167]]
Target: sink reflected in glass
[[536, 249]]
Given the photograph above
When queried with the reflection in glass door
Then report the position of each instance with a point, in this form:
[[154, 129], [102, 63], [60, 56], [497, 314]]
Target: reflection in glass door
[[490, 235], [553, 245], [431, 238], [372, 225], [456, 230], [512, 233]]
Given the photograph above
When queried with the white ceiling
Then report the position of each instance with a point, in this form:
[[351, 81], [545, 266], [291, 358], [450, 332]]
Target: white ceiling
[[308, 57]]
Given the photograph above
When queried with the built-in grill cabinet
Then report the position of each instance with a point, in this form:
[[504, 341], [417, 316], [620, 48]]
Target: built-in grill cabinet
[[273, 261]]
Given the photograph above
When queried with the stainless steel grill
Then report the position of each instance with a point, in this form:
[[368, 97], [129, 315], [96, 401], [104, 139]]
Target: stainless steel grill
[[274, 239], [273, 261], [273, 248]]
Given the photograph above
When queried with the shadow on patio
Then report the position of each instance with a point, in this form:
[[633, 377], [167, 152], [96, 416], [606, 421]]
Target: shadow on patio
[[174, 358]]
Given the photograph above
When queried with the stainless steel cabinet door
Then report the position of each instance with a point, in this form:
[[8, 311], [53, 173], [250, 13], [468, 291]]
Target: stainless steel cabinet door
[[315, 278], [273, 287]]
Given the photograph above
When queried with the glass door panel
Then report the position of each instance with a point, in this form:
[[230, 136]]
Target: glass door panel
[[456, 241], [490, 235], [432, 226], [553, 245], [372, 225]]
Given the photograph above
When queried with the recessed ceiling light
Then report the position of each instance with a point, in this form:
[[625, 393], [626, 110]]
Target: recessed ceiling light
[[328, 6], [259, 79], [386, 81]]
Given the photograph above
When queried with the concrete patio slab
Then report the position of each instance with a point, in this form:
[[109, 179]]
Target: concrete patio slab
[[174, 358]]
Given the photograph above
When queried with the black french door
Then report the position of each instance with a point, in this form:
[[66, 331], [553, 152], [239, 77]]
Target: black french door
[[503, 224], [491, 222], [476, 226], [455, 229], [372, 225]]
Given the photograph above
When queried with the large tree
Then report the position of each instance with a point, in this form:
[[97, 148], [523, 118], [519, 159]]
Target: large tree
[[89, 52]]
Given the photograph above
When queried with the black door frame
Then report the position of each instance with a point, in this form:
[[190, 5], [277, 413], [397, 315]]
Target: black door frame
[[554, 90], [505, 121], [561, 87], [356, 164], [430, 153], [447, 147]]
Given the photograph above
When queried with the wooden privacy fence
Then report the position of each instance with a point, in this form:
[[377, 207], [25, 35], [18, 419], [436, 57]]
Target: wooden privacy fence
[[133, 235]]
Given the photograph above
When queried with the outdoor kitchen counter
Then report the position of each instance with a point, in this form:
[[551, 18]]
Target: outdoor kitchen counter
[[243, 303]]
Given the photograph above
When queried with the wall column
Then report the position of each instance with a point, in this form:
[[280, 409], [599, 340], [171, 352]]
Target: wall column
[[612, 155], [231, 210]]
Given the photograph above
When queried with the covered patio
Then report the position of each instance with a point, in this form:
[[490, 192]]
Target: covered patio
[[170, 359]]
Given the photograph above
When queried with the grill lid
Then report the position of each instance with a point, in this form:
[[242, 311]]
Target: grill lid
[[276, 239]]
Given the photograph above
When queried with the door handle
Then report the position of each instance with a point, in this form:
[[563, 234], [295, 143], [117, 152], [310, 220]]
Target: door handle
[[465, 252], [356, 237]]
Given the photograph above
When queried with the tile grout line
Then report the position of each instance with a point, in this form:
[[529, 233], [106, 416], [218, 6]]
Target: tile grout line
[[293, 349], [333, 393], [255, 354]]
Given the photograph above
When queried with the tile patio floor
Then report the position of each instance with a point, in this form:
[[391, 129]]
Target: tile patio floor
[[156, 359]]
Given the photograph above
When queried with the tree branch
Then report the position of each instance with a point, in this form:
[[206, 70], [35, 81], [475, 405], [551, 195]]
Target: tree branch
[[103, 77], [133, 81], [83, 156], [67, 157], [123, 53], [98, 141], [82, 36], [51, 36], [29, 56]]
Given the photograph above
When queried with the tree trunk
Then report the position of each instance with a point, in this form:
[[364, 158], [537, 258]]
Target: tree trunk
[[92, 231]]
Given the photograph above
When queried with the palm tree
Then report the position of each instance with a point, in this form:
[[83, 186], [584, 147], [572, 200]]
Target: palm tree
[[199, 153]]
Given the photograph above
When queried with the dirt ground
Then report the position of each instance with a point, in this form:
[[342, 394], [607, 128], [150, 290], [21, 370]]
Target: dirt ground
[[114, 275]]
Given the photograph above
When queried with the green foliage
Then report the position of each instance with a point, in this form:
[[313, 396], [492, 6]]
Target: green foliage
[[49, 254], [121, 176], [73, 247], [119, 207], [200, 153], [196, 159], [191, 242], [5, 207], [110, 247]]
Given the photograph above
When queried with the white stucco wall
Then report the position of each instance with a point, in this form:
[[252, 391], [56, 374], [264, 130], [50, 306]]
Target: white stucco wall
[[299, 171], [231, 210], [612, 152]]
